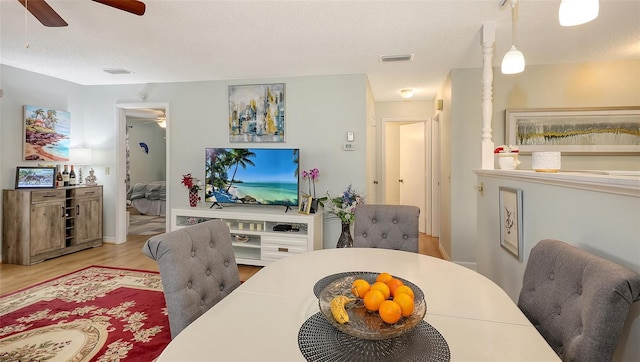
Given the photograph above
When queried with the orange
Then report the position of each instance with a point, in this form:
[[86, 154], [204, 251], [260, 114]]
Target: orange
[[383, 288], [405, 301], [384, 277], [393, 284], [405, 289], [373, 299], [360, 287], [390, 311]]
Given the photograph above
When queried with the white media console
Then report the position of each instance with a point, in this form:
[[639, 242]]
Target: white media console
[[254, 240]]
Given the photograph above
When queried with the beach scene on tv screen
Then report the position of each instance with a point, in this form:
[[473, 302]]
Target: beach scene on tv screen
[[252, 176]]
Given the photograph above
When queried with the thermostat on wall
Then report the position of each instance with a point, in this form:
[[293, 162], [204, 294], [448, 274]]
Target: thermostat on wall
[[349, 147]]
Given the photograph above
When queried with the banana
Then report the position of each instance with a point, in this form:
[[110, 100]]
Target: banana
[[338, 310]]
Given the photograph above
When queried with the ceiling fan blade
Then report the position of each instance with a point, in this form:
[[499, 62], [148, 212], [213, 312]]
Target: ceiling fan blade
[[43, 12], [131, 6]]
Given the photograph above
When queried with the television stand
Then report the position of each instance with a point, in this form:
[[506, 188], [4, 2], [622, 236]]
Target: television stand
[[253, 238], [216, 203], [287, 208]]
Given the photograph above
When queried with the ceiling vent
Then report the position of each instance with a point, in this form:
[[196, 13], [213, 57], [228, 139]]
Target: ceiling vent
[[117, 71], [396, 58]]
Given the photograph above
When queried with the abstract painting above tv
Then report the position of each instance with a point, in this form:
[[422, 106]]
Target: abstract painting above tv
[[256, 113], [46, 134], [253, 176]]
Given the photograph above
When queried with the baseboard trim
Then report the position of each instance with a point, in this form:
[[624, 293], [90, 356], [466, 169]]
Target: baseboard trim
[[468, 265], [444, 254]]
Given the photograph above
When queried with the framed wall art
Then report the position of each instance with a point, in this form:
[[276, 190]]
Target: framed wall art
[[257, 113], [574, 130], [46, 134], [511, 221], [35, 177]]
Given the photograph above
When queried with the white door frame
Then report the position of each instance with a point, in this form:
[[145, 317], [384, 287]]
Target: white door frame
[[121, 166], [433, 164]]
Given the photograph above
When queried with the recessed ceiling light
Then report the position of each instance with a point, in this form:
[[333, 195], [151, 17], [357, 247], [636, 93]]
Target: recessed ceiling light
[[396, 58], [117, 71], [406, 93]]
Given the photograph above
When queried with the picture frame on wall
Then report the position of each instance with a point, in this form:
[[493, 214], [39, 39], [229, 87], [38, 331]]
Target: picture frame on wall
[[46, 134], [574, 130], [511, 221], [257, 113], [304, 206], [28, 177]]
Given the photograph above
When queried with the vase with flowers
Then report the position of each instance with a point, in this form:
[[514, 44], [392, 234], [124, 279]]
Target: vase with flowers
[[193, 185], [343, 207], [507, 157], [312, 177]]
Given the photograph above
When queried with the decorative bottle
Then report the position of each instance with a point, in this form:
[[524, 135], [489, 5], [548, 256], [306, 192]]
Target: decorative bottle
[[72, 177], [65, 176], [59, 181]]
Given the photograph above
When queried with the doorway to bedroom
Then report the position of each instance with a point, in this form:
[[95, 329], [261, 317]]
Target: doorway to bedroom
[[145, 176]]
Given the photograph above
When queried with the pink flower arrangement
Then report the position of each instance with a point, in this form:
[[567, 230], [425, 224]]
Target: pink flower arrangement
[[312, 175]]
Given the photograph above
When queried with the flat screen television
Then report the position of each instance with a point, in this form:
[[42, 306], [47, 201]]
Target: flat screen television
[[254, 176]]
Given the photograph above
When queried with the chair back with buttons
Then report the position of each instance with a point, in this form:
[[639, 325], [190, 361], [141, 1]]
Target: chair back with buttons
[[387, 226], [197, 267], [576, 300]]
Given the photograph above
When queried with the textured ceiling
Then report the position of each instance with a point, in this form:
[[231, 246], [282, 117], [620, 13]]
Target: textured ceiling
[[224, 40]]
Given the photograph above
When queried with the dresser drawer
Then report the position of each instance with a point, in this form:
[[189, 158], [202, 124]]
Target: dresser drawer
[[278, 248], [47, 195], [87, 192]]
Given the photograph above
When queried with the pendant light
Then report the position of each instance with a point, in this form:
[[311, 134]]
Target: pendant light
[[576, 12], [513, 61]]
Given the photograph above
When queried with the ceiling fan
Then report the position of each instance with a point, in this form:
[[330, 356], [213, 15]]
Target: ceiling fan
[[48, 17]]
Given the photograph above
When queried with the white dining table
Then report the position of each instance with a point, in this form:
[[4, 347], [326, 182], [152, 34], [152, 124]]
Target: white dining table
[[260, 320]]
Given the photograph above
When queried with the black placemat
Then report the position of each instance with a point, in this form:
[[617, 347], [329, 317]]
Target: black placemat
[[320, 284], [320, 341]]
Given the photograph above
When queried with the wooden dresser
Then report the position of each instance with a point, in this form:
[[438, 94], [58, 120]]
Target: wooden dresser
[[43, 224]]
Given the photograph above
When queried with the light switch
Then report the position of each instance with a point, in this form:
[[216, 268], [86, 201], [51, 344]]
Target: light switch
[[350, 136]]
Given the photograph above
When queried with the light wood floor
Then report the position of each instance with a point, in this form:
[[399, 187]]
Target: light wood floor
[[126, 255]]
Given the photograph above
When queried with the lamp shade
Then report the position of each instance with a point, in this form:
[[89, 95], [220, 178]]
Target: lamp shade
[[513, 61], [576, 12], [80, 156]]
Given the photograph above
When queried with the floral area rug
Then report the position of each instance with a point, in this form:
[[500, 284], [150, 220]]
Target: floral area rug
[[93, 314]]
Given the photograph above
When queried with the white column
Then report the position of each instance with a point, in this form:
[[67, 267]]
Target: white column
[[488, 41]]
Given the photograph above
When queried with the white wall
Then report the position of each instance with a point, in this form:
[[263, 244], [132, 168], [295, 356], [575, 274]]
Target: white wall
[[605, 84], [320, 110], [146, 167], [601, 223]]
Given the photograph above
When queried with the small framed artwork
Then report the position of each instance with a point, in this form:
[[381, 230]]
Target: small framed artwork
[[304, 206], [511, 221], [256, 113], [35, 177]]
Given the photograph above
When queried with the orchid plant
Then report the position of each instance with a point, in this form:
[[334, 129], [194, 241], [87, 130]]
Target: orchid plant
[[312, 175]]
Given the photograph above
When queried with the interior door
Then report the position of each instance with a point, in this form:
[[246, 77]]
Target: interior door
[[413, 168]]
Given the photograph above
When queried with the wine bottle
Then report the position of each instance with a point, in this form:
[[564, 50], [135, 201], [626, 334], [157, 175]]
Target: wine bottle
[[59, 181], [65, 176], [72, 177]]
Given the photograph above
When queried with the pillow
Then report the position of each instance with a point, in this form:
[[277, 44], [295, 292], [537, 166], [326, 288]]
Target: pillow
[[156, 189], [138, 191]]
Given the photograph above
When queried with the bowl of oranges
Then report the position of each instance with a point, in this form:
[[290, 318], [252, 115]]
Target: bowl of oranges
[[377, 305]]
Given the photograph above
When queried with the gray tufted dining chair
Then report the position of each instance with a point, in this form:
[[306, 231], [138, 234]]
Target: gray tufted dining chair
[[576, 300], [197, 267], [387, 226]]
